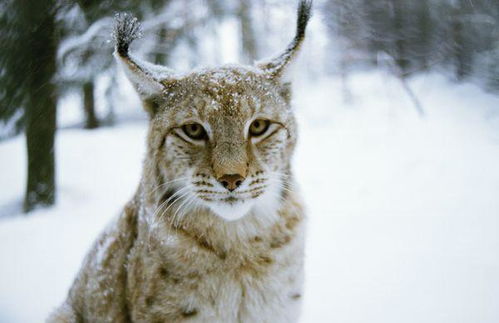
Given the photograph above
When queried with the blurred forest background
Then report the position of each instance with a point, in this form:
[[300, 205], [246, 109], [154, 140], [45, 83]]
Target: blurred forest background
[[53, 52], [397, 103]]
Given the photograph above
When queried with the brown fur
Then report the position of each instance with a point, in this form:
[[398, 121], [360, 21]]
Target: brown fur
[[140, 279], [185, 248]]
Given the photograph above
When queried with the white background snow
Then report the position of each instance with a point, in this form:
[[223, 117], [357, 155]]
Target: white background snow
[[403, 211]]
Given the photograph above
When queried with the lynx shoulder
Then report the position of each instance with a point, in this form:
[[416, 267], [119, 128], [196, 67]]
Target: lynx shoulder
[[215, 231]]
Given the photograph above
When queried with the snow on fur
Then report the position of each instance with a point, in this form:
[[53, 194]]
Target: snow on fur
[[127, 28]]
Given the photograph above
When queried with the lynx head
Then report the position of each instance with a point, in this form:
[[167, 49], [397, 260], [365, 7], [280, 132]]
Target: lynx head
[[219, 138]]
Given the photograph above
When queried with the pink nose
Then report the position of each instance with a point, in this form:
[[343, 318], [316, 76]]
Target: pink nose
[[232, 181]]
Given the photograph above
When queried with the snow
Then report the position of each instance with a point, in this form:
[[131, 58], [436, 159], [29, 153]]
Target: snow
[[403, 211]]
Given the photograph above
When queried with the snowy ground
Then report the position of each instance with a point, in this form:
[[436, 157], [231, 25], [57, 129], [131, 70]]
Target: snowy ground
[[403, 211]]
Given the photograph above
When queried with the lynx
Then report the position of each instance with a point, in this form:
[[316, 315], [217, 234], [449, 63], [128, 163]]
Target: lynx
[[215, 230]]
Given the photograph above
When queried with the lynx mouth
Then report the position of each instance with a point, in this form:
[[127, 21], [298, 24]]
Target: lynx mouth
[[233, 205]]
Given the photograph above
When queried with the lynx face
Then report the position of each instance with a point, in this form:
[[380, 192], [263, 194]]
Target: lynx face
[[223, 138], [220, 139]]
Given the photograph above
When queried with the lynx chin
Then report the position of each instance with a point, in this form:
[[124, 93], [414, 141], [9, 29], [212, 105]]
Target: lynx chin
[[215, 230]]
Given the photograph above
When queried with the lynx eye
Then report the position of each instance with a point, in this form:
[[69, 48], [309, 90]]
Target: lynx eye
[[194, 131], [259, 127]]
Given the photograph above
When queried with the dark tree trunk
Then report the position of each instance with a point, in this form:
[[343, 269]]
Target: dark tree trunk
[[40, 107], [91, 121], [462, 43], [461, 55], [425, 28], [401, 57]]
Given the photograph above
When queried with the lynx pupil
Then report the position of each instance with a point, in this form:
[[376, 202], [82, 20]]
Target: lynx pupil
[[194, 131], [259, 127]]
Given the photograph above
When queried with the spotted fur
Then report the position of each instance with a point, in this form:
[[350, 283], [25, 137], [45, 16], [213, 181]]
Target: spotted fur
[[185, 248]]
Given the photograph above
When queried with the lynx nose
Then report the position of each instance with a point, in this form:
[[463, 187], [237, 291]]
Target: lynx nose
[[232, 181]]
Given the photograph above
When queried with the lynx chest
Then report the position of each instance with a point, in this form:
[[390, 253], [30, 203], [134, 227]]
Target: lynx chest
[[184, 279]]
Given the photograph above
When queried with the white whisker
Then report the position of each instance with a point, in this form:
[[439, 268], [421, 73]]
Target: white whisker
[[177, 195], [184, 205], [168, 182], [180, 197]]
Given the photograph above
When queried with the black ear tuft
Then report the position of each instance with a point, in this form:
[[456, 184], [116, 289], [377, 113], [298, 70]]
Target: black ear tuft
[[277, 65], [126, 29], [304, 14]]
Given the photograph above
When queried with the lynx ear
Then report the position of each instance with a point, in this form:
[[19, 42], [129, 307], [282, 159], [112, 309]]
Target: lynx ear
[[276, 67], [147, 78]]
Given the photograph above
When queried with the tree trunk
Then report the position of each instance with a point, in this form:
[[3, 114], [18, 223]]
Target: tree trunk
[[91, 121], [401, 57], [249, 46], [425, 30], [40, 107], [161, 56], [110, 118], [461, 59]]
